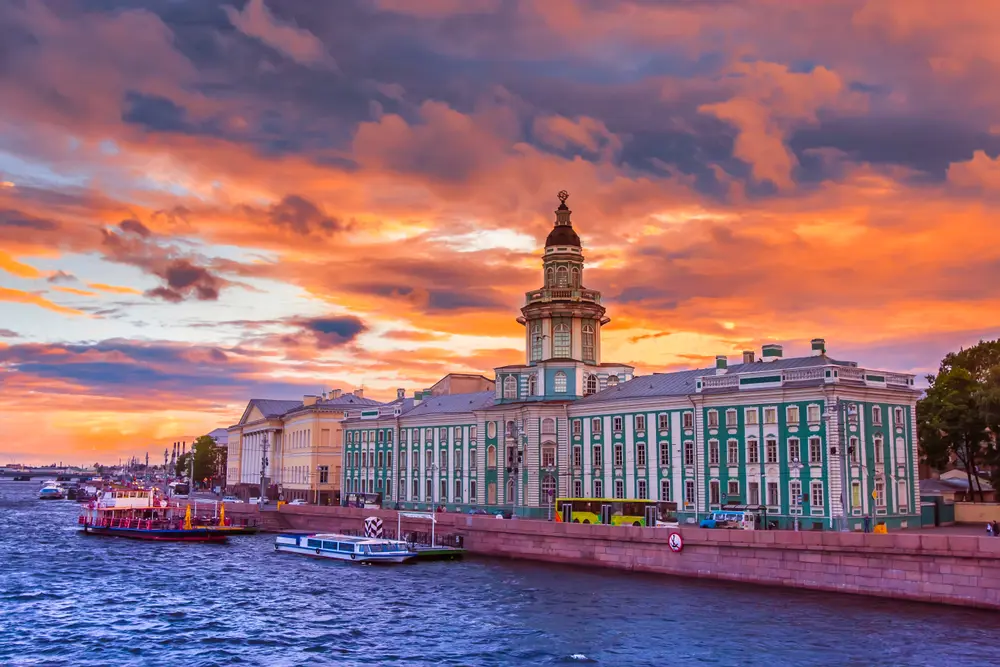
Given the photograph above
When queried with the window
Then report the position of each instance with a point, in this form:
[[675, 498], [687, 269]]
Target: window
[[511, 429], [816, 495], [689, 453], [428, 491], [381, 436], [713, 452], [473, 460], [458, 491], [588, 342], [753, 451], [591, 385], [491, 456], [619, 488], [562, 277], [852, 413], [771, 447], [733, 453], [560, 382], [458, 459], [713, 492], [877, 415], [689, 491], [877, 446], [428, 460], [491, 493], [619, 456], [852, 449], [458, 433], [640, 423], [902, 496], [688, 420], [595, 425], [713, 418], [381, 460], [794, 453], [855, 494], [642, 489], [549, 277], [612, 380], [443, 489], [772, 494], [378, 484], [472, 433], [640, 454], [491, 429], [536, 342], [548, 457], [663, 422], [577, 488], [561, 341], [577, 456], [510, 387], [664, 489], [548, 489], [792, 414], [416, 493], [597, 456], [533, 385], [734, 489], [364, 459], [575, 277], [879, 493], [900, 452], [813, 413], [616, 424], [598, 488], [388, 437], [402, 489], [815, 450], [731, 419], [770, 415], [664, 453], [750, 416], [795, 493], [473, 498], [754, 493], [897, 416], [577, 427]]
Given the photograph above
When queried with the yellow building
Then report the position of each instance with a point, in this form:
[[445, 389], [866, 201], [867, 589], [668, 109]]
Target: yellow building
[[293, 447]]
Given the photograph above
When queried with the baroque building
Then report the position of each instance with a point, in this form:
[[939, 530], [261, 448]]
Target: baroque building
[[812, 438]]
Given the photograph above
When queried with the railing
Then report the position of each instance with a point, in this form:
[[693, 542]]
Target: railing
[[897, 378], [563, 294], [720, 381], [799, 374], [848, 373], [828, 374]]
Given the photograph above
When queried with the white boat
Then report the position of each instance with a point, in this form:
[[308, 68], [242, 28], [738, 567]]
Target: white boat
[[51, 492], [345, 547]]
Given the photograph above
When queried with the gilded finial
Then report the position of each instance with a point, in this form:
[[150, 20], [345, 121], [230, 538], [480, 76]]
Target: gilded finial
[[563, 196]]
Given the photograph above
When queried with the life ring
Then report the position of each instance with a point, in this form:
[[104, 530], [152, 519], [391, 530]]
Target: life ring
[[317, 551], [353, 556]]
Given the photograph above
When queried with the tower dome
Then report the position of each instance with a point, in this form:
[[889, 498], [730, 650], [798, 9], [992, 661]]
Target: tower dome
[[562, 233]]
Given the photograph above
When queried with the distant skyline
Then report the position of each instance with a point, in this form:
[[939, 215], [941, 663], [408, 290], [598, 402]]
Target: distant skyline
[[203, 202]]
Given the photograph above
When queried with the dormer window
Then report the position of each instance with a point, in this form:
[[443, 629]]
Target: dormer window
[[510, 386]]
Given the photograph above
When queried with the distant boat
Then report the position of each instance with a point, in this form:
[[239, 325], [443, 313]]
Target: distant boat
[[51, 492], [345, 547], [22, 478]]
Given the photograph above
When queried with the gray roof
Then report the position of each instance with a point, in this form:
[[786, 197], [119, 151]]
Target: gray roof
[[682, 383], [452, 403], [270, 407]]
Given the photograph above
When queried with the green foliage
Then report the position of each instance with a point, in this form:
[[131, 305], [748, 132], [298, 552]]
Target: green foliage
[[209, 460]]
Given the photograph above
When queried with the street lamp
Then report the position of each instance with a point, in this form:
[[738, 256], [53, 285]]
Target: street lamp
[[263, 468], [515, 457], [796, 465]]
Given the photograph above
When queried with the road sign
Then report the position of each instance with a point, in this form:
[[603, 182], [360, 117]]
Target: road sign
[[875, 495], [675, 542]]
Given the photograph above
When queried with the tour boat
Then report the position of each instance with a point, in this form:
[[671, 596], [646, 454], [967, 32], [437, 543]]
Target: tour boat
[[51, 492], [345, 547], [144, 515]]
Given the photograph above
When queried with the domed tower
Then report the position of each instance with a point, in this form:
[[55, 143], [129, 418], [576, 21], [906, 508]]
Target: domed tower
[[563, 319]]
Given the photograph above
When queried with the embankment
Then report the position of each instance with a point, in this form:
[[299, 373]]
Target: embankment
[[951, 569]]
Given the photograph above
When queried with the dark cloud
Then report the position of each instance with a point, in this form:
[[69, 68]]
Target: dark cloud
[[18, 220], [155, 113], [61, 277], [184, 280], [134, 227], [7, 333], [333, 331], [303, 217]]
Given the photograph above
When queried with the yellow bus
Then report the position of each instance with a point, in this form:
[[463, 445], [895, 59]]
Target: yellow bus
[[622, 511]]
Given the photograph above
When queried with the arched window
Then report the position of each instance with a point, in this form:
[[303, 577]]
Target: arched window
[[510, 491], [548, 490], [491, 429], [428, 491], [491, 456], [472, 491], [560, 382], [510, 386], [576, 277], [416, 492], [536, 342], [589, 351], [562, 277], [458, 491], [532, 385], [549, 425], [591, 387], [548, 277], [443, 497], [511, 429], [561, 341]]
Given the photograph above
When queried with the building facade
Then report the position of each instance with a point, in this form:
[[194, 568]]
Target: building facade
[[813, 439]]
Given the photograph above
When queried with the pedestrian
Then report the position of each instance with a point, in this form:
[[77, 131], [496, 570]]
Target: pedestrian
[[989, 529]]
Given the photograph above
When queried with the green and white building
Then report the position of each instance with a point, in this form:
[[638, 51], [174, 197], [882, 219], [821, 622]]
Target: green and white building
[[811, 438]]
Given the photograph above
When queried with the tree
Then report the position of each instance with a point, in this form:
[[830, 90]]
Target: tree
[[209, 460], [958, 417]]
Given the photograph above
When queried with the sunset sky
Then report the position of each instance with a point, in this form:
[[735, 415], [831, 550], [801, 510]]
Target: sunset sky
[[205, 201]]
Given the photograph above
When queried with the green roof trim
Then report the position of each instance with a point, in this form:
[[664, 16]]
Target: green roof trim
[[762, 379]]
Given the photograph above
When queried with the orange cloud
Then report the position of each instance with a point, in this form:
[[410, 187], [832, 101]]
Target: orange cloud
[[18, 296], [16, 268]]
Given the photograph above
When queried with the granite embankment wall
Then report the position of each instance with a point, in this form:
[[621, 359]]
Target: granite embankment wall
[[952, 569]]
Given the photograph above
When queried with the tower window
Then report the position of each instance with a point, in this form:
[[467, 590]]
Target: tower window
[[561, 342], [588, 342], [510, 387], [536, 342], [612, 380], [560, 382], [548, 277], [576, 277], [532, 385], [591, 387], [562, 277]]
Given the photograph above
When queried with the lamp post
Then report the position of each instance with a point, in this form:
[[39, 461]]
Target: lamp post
[[840, 451], [796, 465], [263, 469], [515, 457]]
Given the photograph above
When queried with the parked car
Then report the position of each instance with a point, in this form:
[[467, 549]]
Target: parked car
[[478, 511], [231, 499], [299, 501], [261, 501]]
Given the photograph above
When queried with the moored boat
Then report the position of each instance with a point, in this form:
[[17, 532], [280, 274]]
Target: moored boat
[[51, 492], [144, 515], [351, 548]]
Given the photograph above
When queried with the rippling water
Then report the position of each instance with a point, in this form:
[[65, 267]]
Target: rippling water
[[66, 599]]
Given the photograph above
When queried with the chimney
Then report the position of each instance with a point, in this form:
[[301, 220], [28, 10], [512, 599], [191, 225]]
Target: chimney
[[324, 395], [747, 356], [770, 352], [334, 394], [308, 400], [400, 394], [721, 364], [360, 392], [818, 347], [418, 397]]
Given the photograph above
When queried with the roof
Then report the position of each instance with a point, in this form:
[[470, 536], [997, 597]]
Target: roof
[[453, 403], [219, 435], [562, 235], [273, 408], [682, 383], [348, 399]]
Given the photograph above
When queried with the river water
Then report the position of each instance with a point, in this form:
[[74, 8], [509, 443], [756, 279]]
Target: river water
[[66, 599]]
